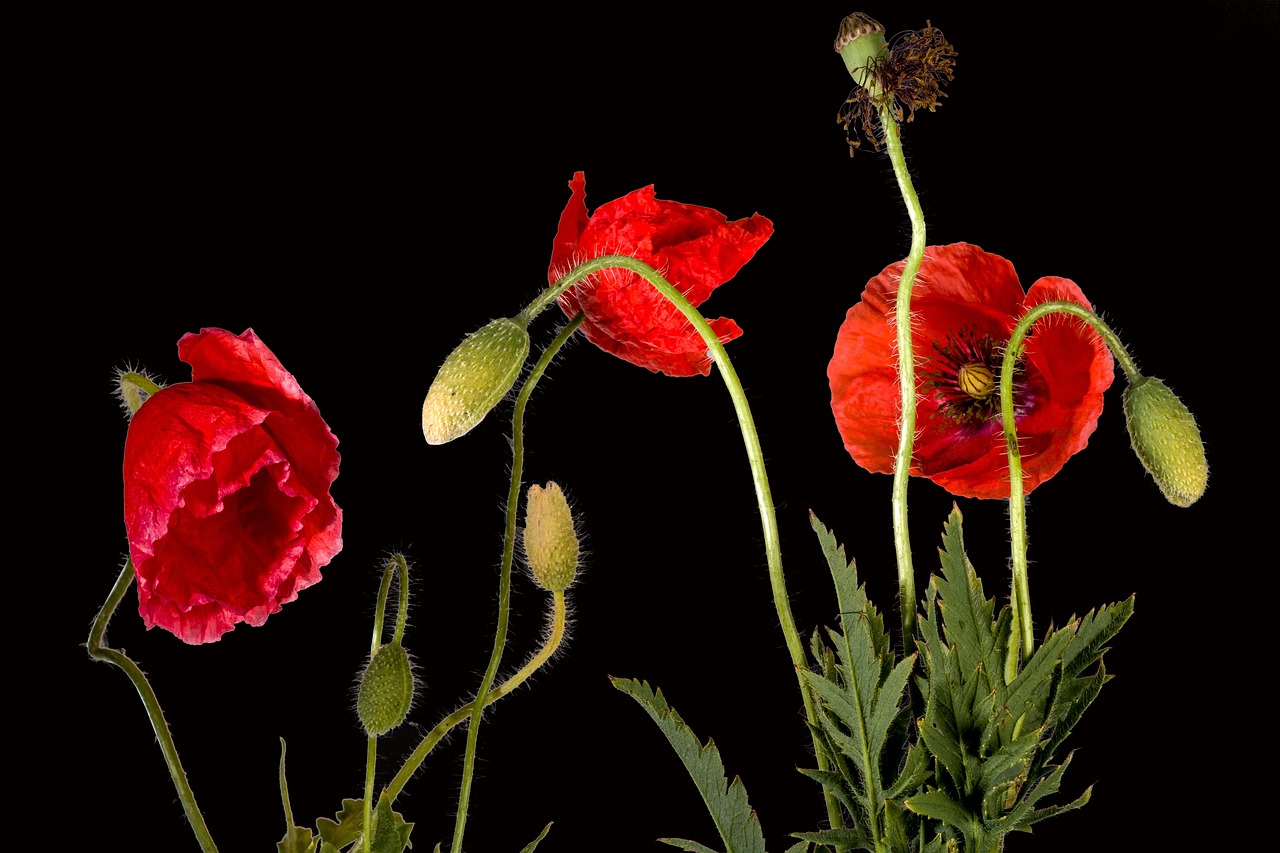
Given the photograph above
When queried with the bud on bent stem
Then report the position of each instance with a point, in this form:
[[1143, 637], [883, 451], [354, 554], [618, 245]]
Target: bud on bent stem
[[386, 690], [473, 379], [550, 540], [1165, 437]]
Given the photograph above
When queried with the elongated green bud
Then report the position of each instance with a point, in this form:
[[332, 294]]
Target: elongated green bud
[[473, 379], [550, 540], [1165, 437], [386, 690]]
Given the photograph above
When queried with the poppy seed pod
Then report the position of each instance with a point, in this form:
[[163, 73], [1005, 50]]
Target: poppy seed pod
[[473, 379], [386, 690], [550, 541], [860, 43], [1164, 434]]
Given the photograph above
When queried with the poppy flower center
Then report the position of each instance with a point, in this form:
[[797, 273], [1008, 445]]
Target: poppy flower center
[[963, 377]]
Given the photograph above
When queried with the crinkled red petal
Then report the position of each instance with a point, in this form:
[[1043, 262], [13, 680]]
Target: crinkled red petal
[[695, 248], [227, 503]]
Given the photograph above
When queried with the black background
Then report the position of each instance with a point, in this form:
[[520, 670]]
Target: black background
[[363, 191]]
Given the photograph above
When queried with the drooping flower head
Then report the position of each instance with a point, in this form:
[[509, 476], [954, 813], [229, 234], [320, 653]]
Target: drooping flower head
[[696, 248], [226, 490], [964, 307]]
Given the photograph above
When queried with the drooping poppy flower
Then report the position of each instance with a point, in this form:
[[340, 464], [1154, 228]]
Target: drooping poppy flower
[[226, 490], [696, 248], [964, 307]]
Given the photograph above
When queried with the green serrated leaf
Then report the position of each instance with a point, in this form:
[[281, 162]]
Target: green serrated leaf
[[738, 825], [834, 783], [347, 827], [888, 704], [1071, 702], [845, 837], [861, 697], [298, 839], [1040, 814], [966, 611], [1022, 815], [915, 772], [939, 732], [1008, 762], [1028, 694], [326, 847], [390, 832], [533, 845], [799, 847], [1095, 631], [937, 805], [686, 844], [895, 831]]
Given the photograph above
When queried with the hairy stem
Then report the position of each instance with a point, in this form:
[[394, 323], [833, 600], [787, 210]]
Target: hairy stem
[[755, 457], [98, 650], [1017, 494], [906, 379], [549, 648], [504, 581]]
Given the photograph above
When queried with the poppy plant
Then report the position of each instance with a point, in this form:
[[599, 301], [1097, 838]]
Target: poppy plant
[[695, 248], [964, 307], [226, 490]]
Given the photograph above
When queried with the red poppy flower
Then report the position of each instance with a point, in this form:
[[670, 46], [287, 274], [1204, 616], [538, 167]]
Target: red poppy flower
[[696, 248], [226, 490], [964, 307]]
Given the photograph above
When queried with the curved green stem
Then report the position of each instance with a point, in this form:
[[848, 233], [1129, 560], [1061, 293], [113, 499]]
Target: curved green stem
[[549, 648], [380, 610], [755, 456], [1017, 494], [99, 651], [504, 581], [906, 379]]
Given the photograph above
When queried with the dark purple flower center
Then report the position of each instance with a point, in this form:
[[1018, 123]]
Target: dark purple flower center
[[964, 377]]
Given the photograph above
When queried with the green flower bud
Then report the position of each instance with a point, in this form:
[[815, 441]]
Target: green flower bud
[[860, 43], [386, 690], [550, 541], [1166, 439], [473, 379]]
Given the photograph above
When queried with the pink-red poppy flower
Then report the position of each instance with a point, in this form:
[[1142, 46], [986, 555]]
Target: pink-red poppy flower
[[226, 490], [695, 248], [964, 307]]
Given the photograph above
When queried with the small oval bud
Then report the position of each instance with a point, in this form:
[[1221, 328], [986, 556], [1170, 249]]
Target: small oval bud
[[473, 379], [386, 690], [1165, 436], [550, 541]]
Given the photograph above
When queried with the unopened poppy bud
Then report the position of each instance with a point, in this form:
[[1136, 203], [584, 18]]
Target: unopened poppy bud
[[550, 541], [473, 379], [860, 43], [1165, 437], [386, 690]]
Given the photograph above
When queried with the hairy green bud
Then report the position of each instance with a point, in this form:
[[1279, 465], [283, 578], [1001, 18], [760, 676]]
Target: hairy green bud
[[473, 379], [386, 690], [550, 540], [1165, 437]]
